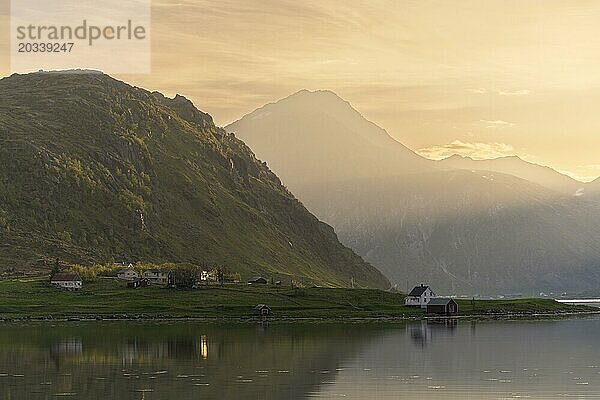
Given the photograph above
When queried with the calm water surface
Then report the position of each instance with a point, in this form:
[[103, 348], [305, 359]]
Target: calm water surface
[[129, 360]]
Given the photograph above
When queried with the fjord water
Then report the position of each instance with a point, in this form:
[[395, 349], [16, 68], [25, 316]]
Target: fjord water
[[541, 359]]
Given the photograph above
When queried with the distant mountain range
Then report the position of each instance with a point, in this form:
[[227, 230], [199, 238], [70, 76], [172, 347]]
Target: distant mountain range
[[93, 170], [513, 165], [465, 226]]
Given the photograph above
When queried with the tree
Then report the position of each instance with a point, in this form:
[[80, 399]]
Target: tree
[[185, 276], [55, 267], [220, 276]]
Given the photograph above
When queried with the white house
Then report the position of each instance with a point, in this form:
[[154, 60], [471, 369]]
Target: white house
[[67, 280], [419, 296], [205, 276], [128, 274], [156, 276]]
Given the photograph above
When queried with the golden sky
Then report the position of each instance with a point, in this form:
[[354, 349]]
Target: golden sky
[[485, 78]]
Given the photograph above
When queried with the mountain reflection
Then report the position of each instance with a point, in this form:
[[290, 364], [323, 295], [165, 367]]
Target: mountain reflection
[[177, 360], [443, 360]]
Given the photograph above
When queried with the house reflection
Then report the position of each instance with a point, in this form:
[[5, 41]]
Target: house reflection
[[424, 332], [203, 347], [419, 333], [67, 347], [64, 349], [138, 350]]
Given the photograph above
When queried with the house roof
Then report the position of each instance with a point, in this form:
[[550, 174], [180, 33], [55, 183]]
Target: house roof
[[256, 278], [439, 301], [418, 291], [65, 276], [123, 270], [261, 306]]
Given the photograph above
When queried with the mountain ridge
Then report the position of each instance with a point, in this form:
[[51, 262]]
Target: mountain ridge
[[96, 171], [516, 166]]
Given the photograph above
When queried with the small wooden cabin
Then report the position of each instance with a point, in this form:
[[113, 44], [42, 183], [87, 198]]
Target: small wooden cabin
[[142, 282], [262, 310], [442, 306], [257, 280]]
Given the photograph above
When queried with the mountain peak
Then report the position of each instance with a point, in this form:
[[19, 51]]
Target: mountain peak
[[315, 100], [316, 93], [326, 137]]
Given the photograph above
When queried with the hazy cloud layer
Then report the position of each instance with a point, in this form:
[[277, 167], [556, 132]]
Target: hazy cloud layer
[[424, 70], [521, 92], [478, 151]]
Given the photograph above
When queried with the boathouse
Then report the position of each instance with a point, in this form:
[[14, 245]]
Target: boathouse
[[442, 306]]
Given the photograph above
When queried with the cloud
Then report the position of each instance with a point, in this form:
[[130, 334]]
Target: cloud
[[475, 150], [498, 123], [583, 173], [522, 92], [477, 91]]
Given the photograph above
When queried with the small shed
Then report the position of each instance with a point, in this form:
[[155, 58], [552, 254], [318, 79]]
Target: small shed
[[257, 280], [67, 280], [442, 306], [263, 310], [142, 282]]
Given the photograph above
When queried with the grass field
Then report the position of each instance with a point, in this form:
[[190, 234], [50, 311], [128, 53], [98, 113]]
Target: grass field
[[109, 297]]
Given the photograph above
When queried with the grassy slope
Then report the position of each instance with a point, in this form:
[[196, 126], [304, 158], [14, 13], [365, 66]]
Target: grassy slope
[[82, 157], [109, 297]]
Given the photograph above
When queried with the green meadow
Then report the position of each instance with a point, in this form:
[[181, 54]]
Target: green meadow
[[110, 298]]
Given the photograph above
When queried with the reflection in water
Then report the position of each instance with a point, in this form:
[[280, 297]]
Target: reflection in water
[[422, 332], [203, 347], [424, 360], [67, 347], [476, 360], [176, 360]]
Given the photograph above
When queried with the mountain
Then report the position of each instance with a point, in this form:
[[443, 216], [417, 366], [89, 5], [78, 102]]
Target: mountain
[[514, 165], [93, 170], [466, 232], [462, 230], [318, 137], [592, 189]]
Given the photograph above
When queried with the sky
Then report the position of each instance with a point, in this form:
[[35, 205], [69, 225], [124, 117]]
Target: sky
[[480, 78]]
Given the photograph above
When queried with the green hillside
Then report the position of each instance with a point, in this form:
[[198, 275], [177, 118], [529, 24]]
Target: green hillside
[[110, 298], [93, 170]]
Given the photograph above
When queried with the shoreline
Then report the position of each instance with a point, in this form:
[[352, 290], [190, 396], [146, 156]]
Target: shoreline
[[112, 300], [347, 319]]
